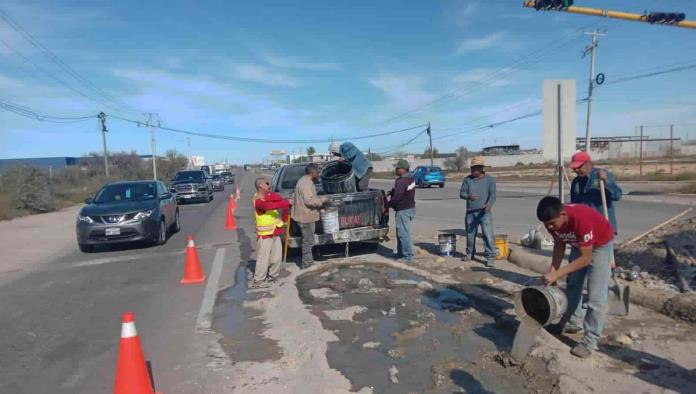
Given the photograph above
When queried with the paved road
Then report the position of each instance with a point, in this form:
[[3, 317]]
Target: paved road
[[515, 211], [61, 319], [61, 322]]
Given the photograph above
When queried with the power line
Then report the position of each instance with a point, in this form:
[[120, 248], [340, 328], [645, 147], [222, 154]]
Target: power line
[[32, 114], [266, 140], [60, 63], [652, 74]]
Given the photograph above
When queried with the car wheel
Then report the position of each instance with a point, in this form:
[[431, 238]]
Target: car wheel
[[86, 248], [161, 236], [211, 197], [442, 185], [177, 223]]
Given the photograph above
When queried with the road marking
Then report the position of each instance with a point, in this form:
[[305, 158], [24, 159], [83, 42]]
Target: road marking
[[205, 315]]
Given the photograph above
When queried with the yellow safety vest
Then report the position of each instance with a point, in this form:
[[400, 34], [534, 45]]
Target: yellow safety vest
[[267, 222]]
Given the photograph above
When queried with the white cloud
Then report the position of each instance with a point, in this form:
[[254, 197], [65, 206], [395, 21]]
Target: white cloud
[[263, 75], [294, 62], [480, 43], [404, 91]]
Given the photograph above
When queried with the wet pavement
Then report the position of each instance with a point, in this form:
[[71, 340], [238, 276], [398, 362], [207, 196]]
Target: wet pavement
[[398, 333]]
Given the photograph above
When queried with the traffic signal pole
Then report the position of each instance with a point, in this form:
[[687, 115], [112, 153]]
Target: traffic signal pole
[[627, 16]]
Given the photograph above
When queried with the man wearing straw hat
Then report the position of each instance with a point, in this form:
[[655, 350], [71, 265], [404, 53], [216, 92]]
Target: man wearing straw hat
[[478, 189]]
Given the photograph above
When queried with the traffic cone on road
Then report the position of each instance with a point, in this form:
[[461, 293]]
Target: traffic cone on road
[[132, 376], [237, 192], [230, 224], [192, 268], [233, 203]]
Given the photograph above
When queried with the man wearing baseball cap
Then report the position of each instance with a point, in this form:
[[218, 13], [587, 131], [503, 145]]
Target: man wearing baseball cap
[[586, 189], [403, 200]]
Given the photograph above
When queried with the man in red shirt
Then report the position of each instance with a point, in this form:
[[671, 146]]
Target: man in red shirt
[[269, 227], [592, 244]]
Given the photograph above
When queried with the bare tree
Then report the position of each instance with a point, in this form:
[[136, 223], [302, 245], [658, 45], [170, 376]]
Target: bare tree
[[458, 162]]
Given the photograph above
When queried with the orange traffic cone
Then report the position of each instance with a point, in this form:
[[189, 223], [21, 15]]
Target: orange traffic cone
[[237, 192], [132, 376], [230, 224], [233, 203], [192, 269]]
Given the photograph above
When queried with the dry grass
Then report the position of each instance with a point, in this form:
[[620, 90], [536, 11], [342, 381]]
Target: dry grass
[[689, 188]]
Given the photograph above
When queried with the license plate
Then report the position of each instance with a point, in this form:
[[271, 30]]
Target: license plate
[[113, 231], [187, 196]]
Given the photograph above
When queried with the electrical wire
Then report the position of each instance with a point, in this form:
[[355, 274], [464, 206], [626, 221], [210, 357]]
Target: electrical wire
[[63, 65], [32, 114], [265, 140], [652, 74]]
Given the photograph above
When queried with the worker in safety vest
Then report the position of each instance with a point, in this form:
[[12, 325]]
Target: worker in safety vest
[[269, 227]]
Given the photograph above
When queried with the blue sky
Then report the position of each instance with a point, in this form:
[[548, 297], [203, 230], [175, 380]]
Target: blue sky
[[316, 69]]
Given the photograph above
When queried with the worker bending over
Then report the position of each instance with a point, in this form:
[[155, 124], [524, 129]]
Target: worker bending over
[[592, 245], [362, 167]]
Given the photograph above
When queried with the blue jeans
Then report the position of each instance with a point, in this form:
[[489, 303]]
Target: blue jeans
[[403, 233], [474, 219], [598, 274]]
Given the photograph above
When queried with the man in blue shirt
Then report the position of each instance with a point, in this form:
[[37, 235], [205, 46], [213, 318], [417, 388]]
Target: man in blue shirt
[[585, 188], [362, 167], [478, 189]]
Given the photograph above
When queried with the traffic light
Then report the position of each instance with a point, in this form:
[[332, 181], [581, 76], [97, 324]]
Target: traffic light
[[546, 5], [666, 18]]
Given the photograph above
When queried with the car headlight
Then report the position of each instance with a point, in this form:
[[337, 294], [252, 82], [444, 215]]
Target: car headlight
[[143, 214], [85, 219]]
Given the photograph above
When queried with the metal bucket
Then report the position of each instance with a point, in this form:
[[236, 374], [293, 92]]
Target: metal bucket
[[329, 220], [448, 244], [545, 304]]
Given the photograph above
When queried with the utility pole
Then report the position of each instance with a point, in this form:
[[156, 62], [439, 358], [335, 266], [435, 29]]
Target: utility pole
[[430, 136], [591, 49], [671, 149], [640, 158], [153, 142], [102, 121], [561, 170]]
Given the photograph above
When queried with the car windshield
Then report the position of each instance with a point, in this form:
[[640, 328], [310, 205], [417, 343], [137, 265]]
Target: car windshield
[[216, 177], [226, 174], [126, 192], [196, 176], [291, 175], [433, 169]]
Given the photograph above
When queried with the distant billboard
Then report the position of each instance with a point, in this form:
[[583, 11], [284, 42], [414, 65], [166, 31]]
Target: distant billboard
[[550, 113], [277, 152]]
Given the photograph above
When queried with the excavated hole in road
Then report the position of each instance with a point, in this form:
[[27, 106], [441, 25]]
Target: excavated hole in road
[[398, 333]]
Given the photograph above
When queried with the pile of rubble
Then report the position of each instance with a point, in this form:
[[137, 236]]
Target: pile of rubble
[[664, 259]]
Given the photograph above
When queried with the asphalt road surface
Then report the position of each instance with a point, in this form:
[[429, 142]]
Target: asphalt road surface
[[61, 320]]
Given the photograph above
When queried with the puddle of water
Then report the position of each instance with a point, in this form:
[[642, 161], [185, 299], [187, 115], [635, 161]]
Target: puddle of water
[[432, 337], [241, 327]]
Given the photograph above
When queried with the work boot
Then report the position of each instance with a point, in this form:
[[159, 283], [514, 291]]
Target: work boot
[[404, 260], [581, 350], [490, 263], [466, 257], [558, 329], [271, 280], [258, 285], [307, 265]]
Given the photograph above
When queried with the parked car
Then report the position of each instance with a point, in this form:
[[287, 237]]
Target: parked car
[[228, 177], [218, 183], [190, 185], [127, 212], [362, 216], [426, 176]]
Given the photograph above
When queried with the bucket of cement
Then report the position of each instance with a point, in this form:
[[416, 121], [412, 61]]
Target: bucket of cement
[[545, 304], [329, 220], [448, 243]]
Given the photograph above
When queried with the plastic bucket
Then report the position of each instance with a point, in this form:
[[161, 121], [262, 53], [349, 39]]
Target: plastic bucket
[[501, 246], [545, 304], [448, 244], [329, 220]]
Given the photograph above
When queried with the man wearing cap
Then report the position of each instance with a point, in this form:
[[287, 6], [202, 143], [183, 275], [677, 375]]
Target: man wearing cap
[[362, 167], [305, 210], [585, 188], [403, 201], [478, 189]]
